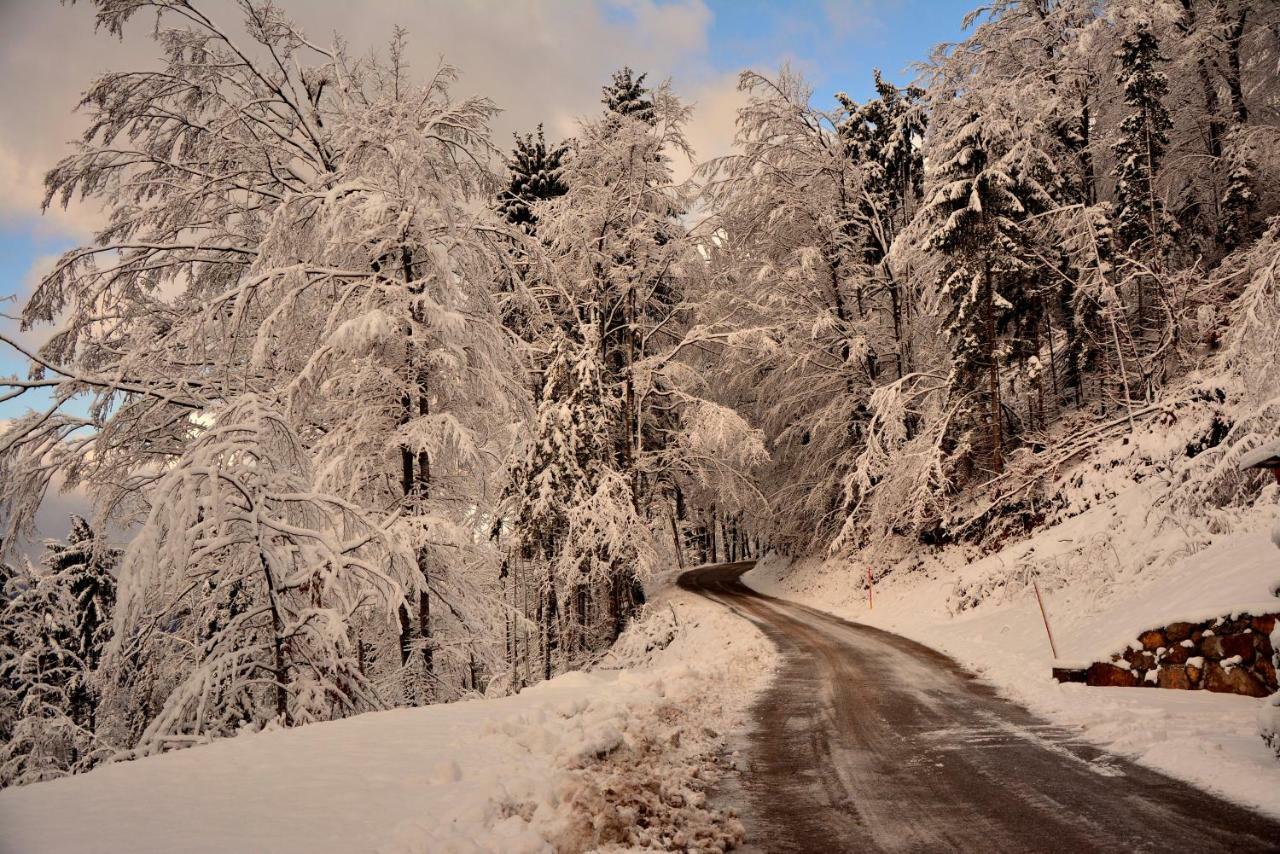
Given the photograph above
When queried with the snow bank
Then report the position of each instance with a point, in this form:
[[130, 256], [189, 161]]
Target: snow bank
[[984, 614], [535, 772]]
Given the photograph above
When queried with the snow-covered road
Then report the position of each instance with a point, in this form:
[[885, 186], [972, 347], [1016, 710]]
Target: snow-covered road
[[868, 741]]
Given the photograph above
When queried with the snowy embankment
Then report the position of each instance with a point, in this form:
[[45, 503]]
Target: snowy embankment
[[585, 760], [984, 614]]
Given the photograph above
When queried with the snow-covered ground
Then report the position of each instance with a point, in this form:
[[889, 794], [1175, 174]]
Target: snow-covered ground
[[555, 768], [984, 613]]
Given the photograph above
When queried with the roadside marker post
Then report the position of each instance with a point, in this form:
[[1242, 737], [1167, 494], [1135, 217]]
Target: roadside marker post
[[1044, 615], [871, 602]]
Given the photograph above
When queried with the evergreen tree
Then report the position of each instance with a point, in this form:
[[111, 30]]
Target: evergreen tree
[[534, 175], [40, 670], [627, 96], [8, 579], [1090, 253], [977, 211], [575, 512], [1141, 219], [1239, 200], [11, 583], [86, 568], [56, 622], [883, 137], [883, 140]]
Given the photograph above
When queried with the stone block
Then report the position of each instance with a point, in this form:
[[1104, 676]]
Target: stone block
[[1175, 676], [1241, 645], [1110, 676], [1232, 680], [1152, 640], [1266, 673]]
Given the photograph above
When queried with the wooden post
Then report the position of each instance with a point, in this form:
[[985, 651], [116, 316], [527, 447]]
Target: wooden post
[[1045, 616], [871, 602]]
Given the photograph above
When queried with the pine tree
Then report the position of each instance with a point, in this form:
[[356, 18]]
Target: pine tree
[[883, 140], [1141, 219], [883, 136], [54, 626], [574, 510], [1240, 198], [40, 670], [977, 211], [627, 96], [534, 175], [86, 568], [11, 584], [8, 578]]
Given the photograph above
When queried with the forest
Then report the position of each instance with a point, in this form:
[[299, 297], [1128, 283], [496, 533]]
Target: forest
[[376, 410]]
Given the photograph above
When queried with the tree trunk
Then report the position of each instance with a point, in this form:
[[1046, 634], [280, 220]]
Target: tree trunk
[[993, 378], [416, 486], [675, 539], [280, 672], [1088, 174], [1239, 111], [548, 628]]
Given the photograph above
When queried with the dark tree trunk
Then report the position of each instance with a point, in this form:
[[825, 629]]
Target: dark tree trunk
[[1239, 111], [993, 377]]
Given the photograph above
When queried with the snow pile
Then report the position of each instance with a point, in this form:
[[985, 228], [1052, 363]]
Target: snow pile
[[1269, 714], [1101, 585], [614, 757], [1269, 723]]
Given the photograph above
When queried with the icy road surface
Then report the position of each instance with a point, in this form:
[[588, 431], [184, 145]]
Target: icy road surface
[[867, 741]]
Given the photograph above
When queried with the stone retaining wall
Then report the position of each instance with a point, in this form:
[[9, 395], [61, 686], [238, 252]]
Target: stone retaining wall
[[1233, 655]]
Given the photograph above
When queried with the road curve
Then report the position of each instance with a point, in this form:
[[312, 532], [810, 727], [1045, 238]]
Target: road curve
[[867, 741]]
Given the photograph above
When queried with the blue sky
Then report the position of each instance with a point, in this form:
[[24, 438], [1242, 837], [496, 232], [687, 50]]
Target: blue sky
[[835, 44], [700, 44]]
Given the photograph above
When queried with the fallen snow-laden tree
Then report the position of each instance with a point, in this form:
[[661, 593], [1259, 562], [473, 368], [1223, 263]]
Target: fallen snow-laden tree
[[279, 366]]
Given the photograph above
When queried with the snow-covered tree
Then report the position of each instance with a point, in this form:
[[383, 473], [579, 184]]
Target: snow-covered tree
[[985, 186], [575, 510], [290, 320], [627, 97], [240, 510], [535, 175], [55, 622], [86, 566], [788, 256], [1142, 139], [1240, 198], [884, 139], [617, 386]]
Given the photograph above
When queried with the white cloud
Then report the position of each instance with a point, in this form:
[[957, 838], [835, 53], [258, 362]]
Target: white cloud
[[540, 61]]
